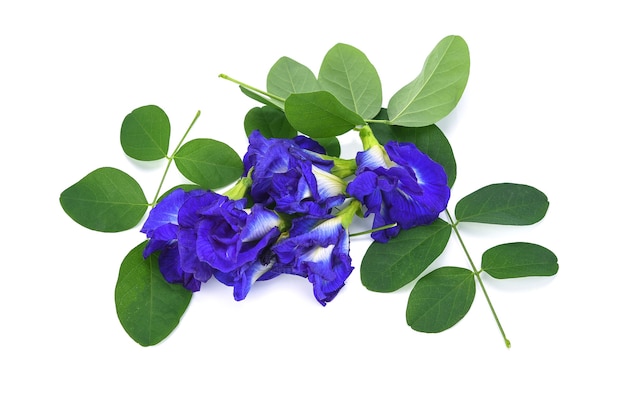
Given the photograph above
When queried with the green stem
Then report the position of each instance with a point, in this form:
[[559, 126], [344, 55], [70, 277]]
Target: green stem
[[477, 275], [384, 227], [267, 94], [171, 158], [384, 122]]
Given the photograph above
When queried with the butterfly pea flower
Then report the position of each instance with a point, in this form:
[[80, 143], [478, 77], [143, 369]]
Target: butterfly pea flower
[[318, 249], [162, 229], [291, 176], [399, 184], [210, 234]]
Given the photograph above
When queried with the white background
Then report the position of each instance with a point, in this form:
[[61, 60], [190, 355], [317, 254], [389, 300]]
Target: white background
[[544, 106]]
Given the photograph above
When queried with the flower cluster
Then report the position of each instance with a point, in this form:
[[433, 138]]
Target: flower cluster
[[290, 214]]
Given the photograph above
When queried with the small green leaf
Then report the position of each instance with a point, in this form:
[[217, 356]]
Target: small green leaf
[[145, 133], [348, 74], [319, 114], [519, 259], [106, 200], [209, 163], [440, 299], [331, 145], [503, 203], [270, 121], [148, 307], [262, 99], [288, 76], [437, 89], [429, 139], [389, 266]]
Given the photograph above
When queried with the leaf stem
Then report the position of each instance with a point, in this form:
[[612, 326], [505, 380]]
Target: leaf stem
[[384, 122], [277, 98], [477, 275], [384, 227], [171, 158]]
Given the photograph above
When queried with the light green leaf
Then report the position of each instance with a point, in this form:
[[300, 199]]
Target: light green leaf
[[145, 133], [288, 76], [106, 200], [348, 74], [519, 259], [437, 89], [320, 114], [389, 266], [440, 299], [148, 307], [503, 203], [209, 163], [429, 139], [270, 121]]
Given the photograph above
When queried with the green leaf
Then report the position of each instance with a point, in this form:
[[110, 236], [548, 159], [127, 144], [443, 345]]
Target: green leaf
[[145, 133], [148, 307], [503, 203], [429, 139], [437, 89], [319, 114], [262, 99], [386, 267], [331, 145], [209, 163], [348, 74], [288, 76], [106, 200], [440, 299], [270, 121], [519, 259]]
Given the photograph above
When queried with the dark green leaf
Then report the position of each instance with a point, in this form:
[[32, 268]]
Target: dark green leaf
[[288, 76], [209, 163], [519, 259], [429, 139], [270, 121], [106, 200], [348, 74], [503, 203], [320, 114], [440, 299], [145, 133], [148, 307], [389, 266], [437, 89], [331, 145]]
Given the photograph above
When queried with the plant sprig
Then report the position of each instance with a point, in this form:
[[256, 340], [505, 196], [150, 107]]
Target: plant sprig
[[344, 97]]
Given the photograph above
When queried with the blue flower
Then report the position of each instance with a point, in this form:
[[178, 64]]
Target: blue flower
[[290, 176], [162, 228], [318, 249], [201, 234], [398, 184]]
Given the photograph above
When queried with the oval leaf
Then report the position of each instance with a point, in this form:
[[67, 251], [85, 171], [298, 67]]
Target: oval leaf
[[148, 307], [288, 76], [209, 163], [503, 203], [262, 99], [519, 259], [145, 133], [331, 145], [389, 266], [106, 200], [348, 74], [319, 114], [270, 121], [429, 139], [437, 89], [440, 299]]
